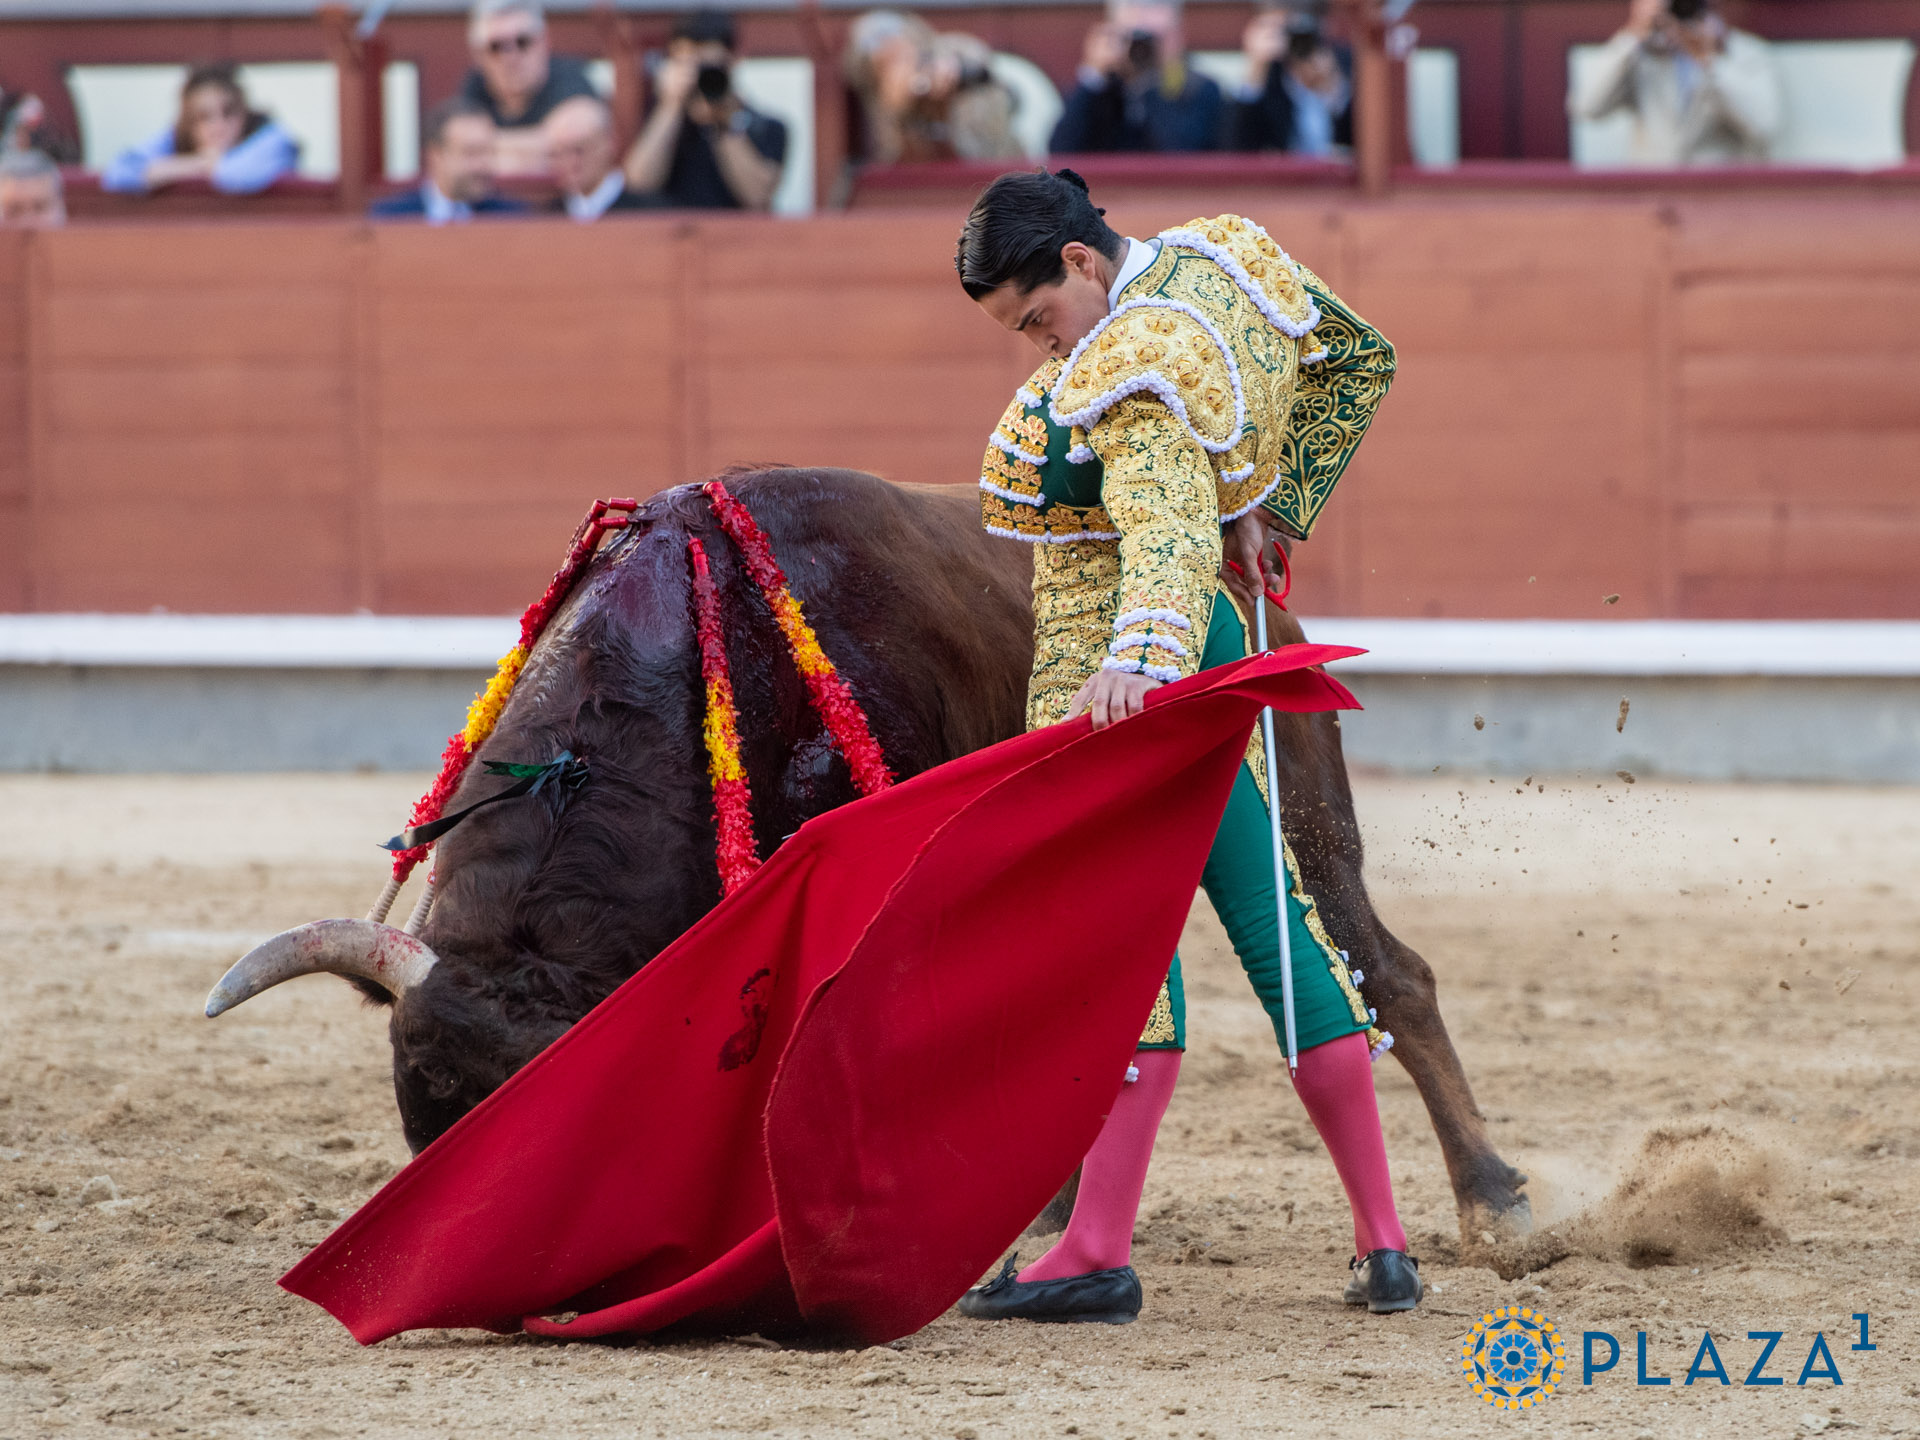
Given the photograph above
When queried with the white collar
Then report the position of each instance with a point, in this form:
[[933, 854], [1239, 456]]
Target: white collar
[[593, 204], [441, 210], [1139, 257]]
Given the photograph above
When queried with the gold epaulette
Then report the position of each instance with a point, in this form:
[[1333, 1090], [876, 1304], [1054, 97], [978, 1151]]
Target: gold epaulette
[[1266, 273], [1163, 348]]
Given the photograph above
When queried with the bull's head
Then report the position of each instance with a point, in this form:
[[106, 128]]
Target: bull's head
[[451, 1048]]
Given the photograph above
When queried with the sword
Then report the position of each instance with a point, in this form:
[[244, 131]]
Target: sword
[[1280, 887]]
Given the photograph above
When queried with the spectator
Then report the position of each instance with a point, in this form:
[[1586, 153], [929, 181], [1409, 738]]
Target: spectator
[[928, 96], [1699, 91], [218, 138], [580, 157], [517, 79], [23, 126], [30, 192], [1298, 94], [703, 147], [460, 154], [1136, 91]]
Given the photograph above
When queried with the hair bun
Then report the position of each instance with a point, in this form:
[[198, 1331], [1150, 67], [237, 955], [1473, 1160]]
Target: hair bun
[[1072, 177]]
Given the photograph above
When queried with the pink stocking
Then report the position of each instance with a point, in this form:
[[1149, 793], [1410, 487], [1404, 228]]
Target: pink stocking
[[1335, 1083], [1100, 1234]]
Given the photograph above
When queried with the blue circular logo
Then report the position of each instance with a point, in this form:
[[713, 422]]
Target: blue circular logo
[[1514, 1358]]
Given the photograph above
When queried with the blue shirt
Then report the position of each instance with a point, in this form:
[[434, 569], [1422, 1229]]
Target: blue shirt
[[252, 165]]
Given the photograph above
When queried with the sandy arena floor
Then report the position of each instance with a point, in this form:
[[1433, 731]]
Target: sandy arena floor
[[1731, 971]]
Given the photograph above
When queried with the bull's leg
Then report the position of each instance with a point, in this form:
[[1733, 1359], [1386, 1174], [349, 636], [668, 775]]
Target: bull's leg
[[1486, 1190]]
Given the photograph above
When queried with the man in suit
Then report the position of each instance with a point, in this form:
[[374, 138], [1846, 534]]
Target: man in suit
[[459, 161], [580, 158]]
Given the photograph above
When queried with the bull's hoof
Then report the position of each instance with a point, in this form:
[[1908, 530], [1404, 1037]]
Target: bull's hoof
[[1500, 1219]]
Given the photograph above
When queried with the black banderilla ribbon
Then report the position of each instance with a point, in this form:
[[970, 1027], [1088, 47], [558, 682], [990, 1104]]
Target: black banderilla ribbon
[[564, 771]]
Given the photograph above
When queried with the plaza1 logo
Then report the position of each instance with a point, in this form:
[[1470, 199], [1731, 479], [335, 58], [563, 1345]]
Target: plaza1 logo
[[1515, 1358]]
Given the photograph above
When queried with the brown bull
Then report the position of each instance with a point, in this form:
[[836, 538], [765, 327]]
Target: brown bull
[[547, 904]]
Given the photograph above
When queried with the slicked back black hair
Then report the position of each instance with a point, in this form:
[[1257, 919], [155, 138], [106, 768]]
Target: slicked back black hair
[[1016, 230]]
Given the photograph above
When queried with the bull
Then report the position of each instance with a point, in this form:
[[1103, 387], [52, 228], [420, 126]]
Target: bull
[[546, 905]]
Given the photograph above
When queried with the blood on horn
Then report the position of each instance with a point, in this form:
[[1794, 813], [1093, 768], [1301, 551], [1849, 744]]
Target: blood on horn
[[390, 958]]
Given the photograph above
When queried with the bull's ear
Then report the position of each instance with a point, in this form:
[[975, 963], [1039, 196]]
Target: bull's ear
[[372, 993]]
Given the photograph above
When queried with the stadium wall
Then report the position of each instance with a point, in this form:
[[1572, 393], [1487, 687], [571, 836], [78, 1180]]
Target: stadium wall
[[1704, 406]]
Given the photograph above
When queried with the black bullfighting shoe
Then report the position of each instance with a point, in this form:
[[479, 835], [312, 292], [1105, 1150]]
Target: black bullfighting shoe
[[1104, 1297], [1384, 1281]]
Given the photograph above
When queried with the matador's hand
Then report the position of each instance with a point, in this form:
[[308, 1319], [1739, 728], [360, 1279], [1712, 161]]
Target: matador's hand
[[1248, 542], [1112, 695]]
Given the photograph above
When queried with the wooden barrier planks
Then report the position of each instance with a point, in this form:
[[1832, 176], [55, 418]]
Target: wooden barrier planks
[[1797, 409], [1704, 406], [190, 403], [15, 454]]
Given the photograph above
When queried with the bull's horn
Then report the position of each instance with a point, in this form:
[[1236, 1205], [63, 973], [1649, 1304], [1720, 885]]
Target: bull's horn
[[388, 957]]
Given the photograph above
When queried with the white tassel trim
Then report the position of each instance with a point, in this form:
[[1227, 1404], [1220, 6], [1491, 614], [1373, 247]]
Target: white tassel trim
[[1140, 667], [1159, 642], [1007, 447], [1236, 272], [1153, 380], [1027, 398], [1386, 1044], [1006, 534], [1271, 486], [1169, 617], [1245, 472], [1133, 1073], [1081, 455], [1373, 1015], [1358, 975], [1011, 495], [1315, 358]]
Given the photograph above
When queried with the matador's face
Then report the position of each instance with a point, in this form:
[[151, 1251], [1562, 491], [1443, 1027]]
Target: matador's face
[[1057, 317]]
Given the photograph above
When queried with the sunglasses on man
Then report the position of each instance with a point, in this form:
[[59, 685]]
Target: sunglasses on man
[[513, 44]]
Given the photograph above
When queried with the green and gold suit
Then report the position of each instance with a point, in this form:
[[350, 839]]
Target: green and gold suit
[[1226, 376]]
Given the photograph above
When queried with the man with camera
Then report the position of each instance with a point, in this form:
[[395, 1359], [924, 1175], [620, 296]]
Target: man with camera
[[1136, 91], [703, 147], [1700, 91], [1298, 94]]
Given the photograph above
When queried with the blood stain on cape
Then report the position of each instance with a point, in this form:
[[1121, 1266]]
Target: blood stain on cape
[[744, 1043]]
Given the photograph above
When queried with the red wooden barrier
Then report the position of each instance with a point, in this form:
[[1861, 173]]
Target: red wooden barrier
[[1704, 404]]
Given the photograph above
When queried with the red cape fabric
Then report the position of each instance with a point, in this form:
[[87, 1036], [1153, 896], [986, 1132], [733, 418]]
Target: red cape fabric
[[837, 1099]]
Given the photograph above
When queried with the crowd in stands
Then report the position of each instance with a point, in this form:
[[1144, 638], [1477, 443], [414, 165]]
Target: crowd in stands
[[1697, 90]]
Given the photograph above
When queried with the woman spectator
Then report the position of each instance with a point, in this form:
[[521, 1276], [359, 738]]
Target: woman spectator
[[927, 95], [217, 138]]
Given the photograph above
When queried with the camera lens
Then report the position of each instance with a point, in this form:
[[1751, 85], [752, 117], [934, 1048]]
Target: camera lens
[[713, 81], [1143, 50]]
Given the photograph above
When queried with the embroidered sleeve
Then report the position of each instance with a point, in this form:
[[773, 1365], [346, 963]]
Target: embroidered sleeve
[[1159, 493], [1345, 368], [1163, 348]]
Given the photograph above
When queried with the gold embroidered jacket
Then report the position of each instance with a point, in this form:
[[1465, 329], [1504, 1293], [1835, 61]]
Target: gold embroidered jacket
[[1226, 376]]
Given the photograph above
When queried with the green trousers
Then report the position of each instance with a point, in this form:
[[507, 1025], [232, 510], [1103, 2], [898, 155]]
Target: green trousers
[[1238, 879]]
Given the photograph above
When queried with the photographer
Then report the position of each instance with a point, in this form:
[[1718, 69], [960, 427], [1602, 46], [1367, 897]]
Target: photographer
[[1700, 91], [1298, 94], [703, 147], [925, 95], [1136, 91]]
